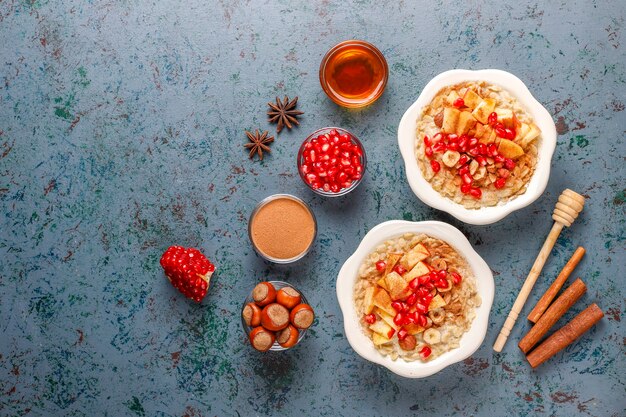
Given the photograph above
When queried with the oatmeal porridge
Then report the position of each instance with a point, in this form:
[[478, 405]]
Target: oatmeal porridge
[[476, 144], [416, 296]]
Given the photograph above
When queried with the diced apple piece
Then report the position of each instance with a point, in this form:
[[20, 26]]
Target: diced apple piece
[[388, 318], [380, 327], [436, 302], [381, 282], [418, 270], [510, 149], [418, 253], [506, 117], [471, 99], [489, 136], [383, 301], [398, 287], [379, 339], [392, 260], [533, 133], [481, 129], [465, 123], [413, 328], [484, 109], [452, 96], [450, 119], [521, 131], [368, 299]]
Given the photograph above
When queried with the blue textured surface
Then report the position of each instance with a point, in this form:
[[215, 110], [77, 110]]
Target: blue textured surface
[[121, 133]]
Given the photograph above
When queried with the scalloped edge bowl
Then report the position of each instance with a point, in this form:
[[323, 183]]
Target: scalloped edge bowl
[[423, 189], [348, 275]]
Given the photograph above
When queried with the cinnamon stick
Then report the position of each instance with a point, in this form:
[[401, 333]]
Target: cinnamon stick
[[549, 295], [553, 314], [565, 335]]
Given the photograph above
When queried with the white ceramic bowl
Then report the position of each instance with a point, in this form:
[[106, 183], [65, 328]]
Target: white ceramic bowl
[[423, 189], [348, 276]]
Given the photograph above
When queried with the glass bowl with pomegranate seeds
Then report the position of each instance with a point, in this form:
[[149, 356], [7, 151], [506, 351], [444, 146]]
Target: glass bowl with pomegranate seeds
[[331, 161]]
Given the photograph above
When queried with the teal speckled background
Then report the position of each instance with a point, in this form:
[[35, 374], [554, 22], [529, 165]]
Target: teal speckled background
[[121, 133]]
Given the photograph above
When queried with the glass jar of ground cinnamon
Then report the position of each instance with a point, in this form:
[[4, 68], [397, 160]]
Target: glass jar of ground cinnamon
[[282, 228]]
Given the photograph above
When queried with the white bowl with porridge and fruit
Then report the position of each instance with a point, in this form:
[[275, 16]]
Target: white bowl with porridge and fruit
[[415, 297], [477, 145]]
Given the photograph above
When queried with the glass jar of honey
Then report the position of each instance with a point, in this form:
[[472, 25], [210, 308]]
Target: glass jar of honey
[[354, 73]]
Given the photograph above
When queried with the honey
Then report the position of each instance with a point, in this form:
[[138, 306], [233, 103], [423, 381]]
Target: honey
[[353, 73]]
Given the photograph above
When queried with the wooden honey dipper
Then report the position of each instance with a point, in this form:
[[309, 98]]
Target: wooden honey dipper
[[565, 212]]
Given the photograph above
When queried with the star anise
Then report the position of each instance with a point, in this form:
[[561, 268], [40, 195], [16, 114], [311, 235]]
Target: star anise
[[284, 113], [258, 143]]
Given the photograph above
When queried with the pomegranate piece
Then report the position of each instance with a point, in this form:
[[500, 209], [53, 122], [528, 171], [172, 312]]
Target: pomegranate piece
[[381, 265], [370, 318], [493, 119], [459, 102], [398, 319], [425, 352], [456, 278], [396, 305], [435, 166], [476, 193], [399, 269], [188, 270], [500, 182], [509, 164], [414, 284], [402, 333], [412, 299]]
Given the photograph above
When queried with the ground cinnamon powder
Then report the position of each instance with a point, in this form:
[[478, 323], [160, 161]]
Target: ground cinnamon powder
[[282, 229]]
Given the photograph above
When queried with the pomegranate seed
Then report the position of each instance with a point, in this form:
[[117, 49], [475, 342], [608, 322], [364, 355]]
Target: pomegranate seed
[[456, 278], [423, 291], [453, 146], [345, 138], [435, 166], [370, 318], [412, 299], [422, 320], [509, 134], [402, 333], [423, 309], [442, 283], [473, 152], [493, 119], [476, 193], [398, 319], [326, 187], [426, 141], [501, 132], [427, 299], [381, 266], [500, 182], [425, 352], [334, 188], [396, 305], [481, 160], [333, 132], [492, 149], [390, 333], [465, 188], [311, 178], [459, 102], [499, 158], [472, 142], [414, 284], [463, 159], [433, 276], [439, 146], [463, 144], [482, 149], [442, 274], [509, 164], [428, 151], [429, 286], [424, 279], [312, 155], [400, 269], [467, 178], [405, 307]]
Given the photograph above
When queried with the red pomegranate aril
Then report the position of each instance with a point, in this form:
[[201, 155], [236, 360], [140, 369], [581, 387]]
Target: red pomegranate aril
[[433, 276], [342, 177], [334, 188], [500, 182], [402, 334], [467, 178], [381, 265], [398, 319], [481, 160], [390, 333], [423, 291], [305, 168], [311, 178], [459, 102], [312, 155], [425, 352], [405, 307], [453, 146], [396, 305], [426, 141], [439, 146], [456, 278], [408, 319], [453, 137], [442, 283], [326, 187], [325, 147], [333, 132], [370, 318], [463, 144], [472, 142], [501, 132], [476, 193], [427, 299], [509, 164], [499, 159], [400, 269], [442, 274], [422, 320], [510, 134], [492, 119], [423, 309], [492, 149], [412, 299], [414, 284], [423, 279], [436, 167], [344, 138], [482, 148], [463, 159]]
